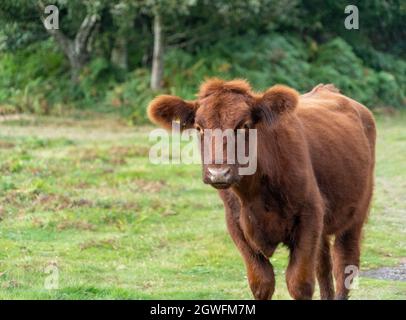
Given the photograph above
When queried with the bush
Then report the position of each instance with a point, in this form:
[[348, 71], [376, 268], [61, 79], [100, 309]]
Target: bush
[[336, 62], [36, 79], [131, 97]]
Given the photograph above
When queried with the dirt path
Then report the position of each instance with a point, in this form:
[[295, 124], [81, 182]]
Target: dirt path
[[387, 273]]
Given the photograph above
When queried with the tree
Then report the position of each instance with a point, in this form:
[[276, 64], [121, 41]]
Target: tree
[[161, 11], [158, 54], [20, 25], [123, 13], [76, 49], [79, 20]]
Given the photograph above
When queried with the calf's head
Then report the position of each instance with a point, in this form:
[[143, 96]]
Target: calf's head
[[225, 114]]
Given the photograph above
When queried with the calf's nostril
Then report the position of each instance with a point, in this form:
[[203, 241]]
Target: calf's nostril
[[219, 175]]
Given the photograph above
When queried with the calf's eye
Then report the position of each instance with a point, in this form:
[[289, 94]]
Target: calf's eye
[[199, 129]]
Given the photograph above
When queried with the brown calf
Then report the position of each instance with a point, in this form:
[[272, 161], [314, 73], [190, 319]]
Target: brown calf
[[314, 180]]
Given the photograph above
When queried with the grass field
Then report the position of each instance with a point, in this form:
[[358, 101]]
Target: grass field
[[80, 197]]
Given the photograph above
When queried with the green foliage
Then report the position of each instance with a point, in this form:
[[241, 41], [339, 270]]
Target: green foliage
[[33, 79], [276, 58], [131, 97], [295, 42], [336, 62]]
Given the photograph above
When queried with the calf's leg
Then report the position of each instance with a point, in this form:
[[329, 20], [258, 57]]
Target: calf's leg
[[324, 270], [346, 254], [261, 277], [260, 272], [300, 274]]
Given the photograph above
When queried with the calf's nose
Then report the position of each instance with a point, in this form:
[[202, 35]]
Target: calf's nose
[[219, 175]]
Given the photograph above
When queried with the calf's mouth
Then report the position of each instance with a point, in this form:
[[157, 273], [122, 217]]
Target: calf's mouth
[[221, 185]]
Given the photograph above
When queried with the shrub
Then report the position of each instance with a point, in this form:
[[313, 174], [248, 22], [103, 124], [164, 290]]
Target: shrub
[[36, 79]]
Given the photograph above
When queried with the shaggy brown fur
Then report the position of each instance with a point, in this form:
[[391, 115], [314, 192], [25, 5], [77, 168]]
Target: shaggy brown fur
[[314, 181]]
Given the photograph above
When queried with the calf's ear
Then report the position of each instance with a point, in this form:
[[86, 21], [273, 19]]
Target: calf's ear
[[164, 109], [277, 101]]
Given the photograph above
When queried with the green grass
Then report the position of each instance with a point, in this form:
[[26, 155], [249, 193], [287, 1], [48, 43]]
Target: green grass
[[82, 196]]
